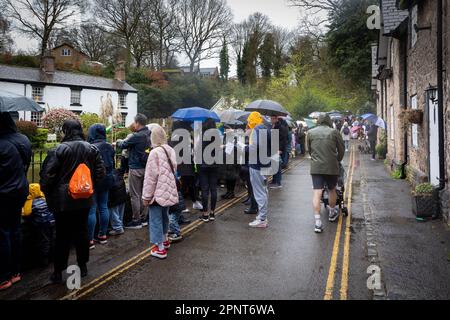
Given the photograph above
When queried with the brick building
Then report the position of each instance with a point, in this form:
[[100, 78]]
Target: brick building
[[68, 57], [412, 35]]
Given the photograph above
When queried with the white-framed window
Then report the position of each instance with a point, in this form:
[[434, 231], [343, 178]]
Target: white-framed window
[[36, 117], [75, 96], [122, 100], [37, 93], [414, 127], [124, 120], [65, 52], [414, 11]]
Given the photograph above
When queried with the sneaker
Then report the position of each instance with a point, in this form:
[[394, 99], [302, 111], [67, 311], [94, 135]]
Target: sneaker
[[5, 285], [334, 214], [185, 211], [173, 237], [318, 228], [197, 206], [116, 232], [134, 225], [160, 254], [212, 216], [16, 278], [205, 218], [183, 220], [259, 224], [102, 239], [91, 245], [167, 244]]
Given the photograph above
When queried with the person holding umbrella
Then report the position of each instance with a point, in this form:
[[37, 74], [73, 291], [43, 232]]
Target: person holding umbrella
[[15, 158]]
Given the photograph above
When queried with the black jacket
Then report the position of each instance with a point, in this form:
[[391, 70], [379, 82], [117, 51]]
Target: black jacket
[[118, 192], [58, 168], [97, 137], [15, 157], [137, 147], [282, 126]]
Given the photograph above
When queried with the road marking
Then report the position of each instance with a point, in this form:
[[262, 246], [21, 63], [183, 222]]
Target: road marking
[[335, 254], [346, 258], [113, 273]]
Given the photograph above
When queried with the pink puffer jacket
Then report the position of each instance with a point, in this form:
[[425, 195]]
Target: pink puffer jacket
[[159, 182]]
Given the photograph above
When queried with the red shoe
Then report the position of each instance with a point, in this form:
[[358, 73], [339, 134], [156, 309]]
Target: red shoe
[[5, 285], [160, 254], [16, 278], [166, 244], [102, 239]]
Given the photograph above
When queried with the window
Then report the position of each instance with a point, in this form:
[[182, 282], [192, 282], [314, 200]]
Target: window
[[36, 117], [413, 23], [66, 52], [124, 120], [414, 127], [75, 97], [77, 112], [123, 100], [37, 94]]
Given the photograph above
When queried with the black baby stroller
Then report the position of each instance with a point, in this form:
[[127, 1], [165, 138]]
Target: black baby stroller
[[340, 190]]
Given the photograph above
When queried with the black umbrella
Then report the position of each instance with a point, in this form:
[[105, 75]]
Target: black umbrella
[[267, 108], [10, 102], [234, 124]]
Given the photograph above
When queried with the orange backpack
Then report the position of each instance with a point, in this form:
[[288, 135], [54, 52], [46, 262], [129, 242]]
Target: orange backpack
[[80, 185]]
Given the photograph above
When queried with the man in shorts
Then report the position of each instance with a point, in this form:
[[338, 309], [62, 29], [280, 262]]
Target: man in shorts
[[327, 150]]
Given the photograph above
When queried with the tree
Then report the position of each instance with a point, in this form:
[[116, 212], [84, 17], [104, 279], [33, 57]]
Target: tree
[[5, 38], [95, 42], [201, 25], [317, 6], [39, 18], [64, 35], [267, 55], [122, 18], [224, 61]]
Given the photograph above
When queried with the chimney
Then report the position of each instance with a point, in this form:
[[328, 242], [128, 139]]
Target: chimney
[[120, 71], [48, 64]]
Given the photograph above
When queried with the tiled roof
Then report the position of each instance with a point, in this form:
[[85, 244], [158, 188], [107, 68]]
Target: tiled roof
[[61, 78], [392, 17]]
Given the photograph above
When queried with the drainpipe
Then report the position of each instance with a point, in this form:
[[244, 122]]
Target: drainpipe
[[440, 89], [405, 105]]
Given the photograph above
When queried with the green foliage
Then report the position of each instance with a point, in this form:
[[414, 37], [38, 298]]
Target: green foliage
[[27, 128], [39, 140], [267, 55], [381, 148], [224, 61], [88, 119], [20, 60], [397, 173], [122, 133], [349, 41], [424, 188]]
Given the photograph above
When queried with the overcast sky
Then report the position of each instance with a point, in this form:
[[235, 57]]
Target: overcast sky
[[279, 12]]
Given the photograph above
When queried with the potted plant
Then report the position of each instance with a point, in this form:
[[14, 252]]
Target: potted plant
[[424, 201]]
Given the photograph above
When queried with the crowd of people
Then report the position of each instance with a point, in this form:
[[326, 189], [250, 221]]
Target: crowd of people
[[86, 189]]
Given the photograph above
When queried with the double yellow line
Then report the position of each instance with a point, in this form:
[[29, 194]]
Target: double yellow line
[[336, 246], [113, 273]]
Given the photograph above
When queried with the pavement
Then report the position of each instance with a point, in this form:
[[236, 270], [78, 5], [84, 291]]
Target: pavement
[[227, 260]]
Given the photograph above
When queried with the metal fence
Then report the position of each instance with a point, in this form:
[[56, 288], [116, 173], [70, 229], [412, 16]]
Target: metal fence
[[37, 158]]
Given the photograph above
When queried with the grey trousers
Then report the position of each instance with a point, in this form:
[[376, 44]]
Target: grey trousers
[[136, 182], [261, 193]]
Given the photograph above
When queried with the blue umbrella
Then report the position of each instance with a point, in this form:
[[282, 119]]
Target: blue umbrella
[[195, 114], [368, 116]]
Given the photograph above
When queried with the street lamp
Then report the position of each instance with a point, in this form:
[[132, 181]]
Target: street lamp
[[432, 93]]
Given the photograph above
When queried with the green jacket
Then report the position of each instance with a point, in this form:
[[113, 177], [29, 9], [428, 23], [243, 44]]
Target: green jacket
[[326, 148]]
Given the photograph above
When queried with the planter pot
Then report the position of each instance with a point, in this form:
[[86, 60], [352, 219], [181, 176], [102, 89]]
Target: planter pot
[[424, 205]]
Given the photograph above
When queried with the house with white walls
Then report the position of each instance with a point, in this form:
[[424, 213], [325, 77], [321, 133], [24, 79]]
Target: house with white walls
[[79, 93]]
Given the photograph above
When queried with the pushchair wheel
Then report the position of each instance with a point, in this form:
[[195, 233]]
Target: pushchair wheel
[[345, 212]]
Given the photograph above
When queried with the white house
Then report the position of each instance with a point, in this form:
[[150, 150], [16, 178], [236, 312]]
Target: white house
[[76, 92]]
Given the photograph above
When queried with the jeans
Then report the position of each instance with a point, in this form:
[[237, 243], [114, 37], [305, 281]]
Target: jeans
[[373, 149], [260, 192], [116, 217], [10, 246], [71, 228], [278, 176], [158, 223], [346, 143], [174, 225], [136, 182], [208, 184], [100, 201]]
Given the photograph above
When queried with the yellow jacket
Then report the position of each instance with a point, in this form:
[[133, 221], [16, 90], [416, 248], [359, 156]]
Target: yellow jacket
[[35, 193]]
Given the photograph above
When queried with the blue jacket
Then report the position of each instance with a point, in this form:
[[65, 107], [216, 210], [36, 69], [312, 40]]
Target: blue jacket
[[137, 146], [254, 146], [97, 137]]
